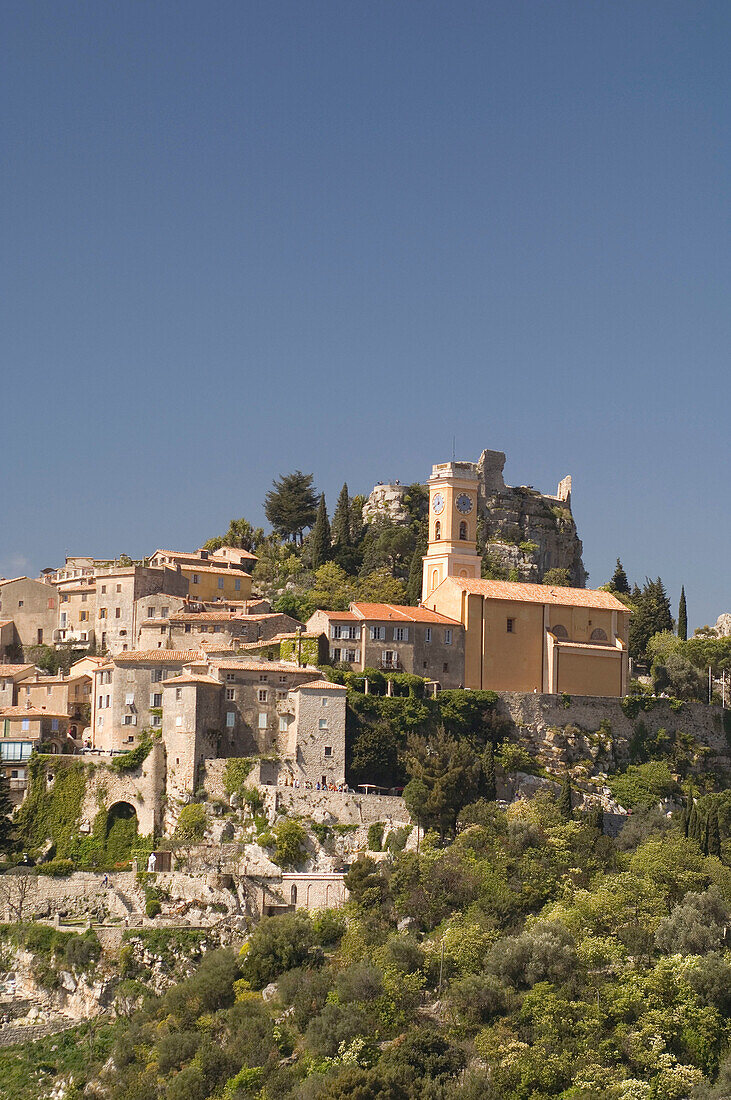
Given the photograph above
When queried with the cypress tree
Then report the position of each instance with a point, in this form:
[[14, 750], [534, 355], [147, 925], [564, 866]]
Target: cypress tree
[[564, 799], [320, 538], [595, 819], [693, 824], [706, 834], [619, 580], [682, 617], [341, 520], [413, 586], [6, 808], [488, 772], [714, 834]]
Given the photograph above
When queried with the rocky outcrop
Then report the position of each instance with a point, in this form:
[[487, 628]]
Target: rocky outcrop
[[525, 532], [387, 502]]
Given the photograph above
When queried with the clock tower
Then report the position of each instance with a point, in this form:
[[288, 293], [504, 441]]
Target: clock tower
[[452, 550]]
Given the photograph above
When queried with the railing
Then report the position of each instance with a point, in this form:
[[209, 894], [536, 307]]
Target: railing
[[18, 784], [393, 666]]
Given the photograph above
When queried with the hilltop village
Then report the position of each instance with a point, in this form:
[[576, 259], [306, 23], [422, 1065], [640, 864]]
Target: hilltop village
[[314, 721]]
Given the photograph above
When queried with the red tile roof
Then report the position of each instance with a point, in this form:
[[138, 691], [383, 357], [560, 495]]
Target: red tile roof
[[14, 670], [190, 678], [401, 613], [245, 665], [29, 712], [320, 685], [539, 593], [158, 656]]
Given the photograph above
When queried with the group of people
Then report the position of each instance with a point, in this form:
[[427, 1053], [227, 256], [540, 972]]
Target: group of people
[[308, 785]]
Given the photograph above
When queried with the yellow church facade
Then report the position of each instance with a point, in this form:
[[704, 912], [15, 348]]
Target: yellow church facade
[[518, 637]]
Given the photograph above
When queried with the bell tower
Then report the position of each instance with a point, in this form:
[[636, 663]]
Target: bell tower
[[452, 550]]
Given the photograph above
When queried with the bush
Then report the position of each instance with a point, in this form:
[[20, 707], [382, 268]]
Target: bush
[[235, 773], [55, 868], [152, 907], [276, 945], [642, 784], [375, 836], [514, 758], [696, 926], [191, 826], [289, 844], [133, 759]]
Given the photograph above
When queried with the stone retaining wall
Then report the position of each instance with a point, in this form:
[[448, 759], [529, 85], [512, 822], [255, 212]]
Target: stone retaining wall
[[347, 809]]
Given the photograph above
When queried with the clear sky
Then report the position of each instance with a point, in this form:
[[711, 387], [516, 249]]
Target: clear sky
[[241, 238]]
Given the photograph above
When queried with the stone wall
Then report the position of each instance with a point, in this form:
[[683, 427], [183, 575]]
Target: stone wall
[[346, 808], [541, 721], [80, 895], [142, 789]]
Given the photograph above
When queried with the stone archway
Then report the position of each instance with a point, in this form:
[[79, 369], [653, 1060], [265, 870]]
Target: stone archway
[[121, 832]]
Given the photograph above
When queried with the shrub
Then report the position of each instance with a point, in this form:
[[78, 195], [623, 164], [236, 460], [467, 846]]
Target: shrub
[[642, 784], [276, 945], [131, 760], [152, 907], [514, 758], [289, 844], [55, 868], [191, 824], [235, 773], [375, 836]]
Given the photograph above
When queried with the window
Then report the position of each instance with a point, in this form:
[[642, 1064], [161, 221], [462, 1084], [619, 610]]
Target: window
[[156, 699], [448, 636], [165, 612], [179, 720], [283, 723], [163, 630], [187, 628], [283, 679], [229, 694], [104, 589], [156, 675], [445, 667], [102, 612], [323, 700], [427, 635], [84, 636], [437, 531], [281, 695], [106, 701], [328, 750], [63, 618], [263, 695], [352, 655], [263, 677], [230, 719], [129, 699], [54, 725], [178, 694], [118, 613], [598, 635], [64, 598], [220, 582], [237, 584], [195, 578], [322, 723], [230, 677], [511, 626], [560, 631], [100, 720], [83, 597], [83, 616], [128, 720], [401, 634], [150, 612], [463, 531], [101, 701], [119, 588], [156, 720], [262, 720], [51, 605], [378, 633], [335, 655]]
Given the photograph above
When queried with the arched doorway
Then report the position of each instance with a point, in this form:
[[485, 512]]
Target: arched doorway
[[121, 832]]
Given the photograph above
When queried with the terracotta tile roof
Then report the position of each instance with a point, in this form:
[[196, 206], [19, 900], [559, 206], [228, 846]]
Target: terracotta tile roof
[[601, 647], [401, 613], [11, 580], [5, 622], [539, 593], [217, 647], [158, 656], [191, 678], [320, 685], [223, 569], [246, 665], [15, 670], [29, 712], [348, 616]]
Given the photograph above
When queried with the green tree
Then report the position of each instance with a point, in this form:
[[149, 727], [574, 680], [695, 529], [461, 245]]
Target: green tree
[[320, 538], [564, 799], [332, 589], [341, 537], [414, 583], [191, 824], [557, 578], [243, 535], [651, 615], [291, 505], [449, 771], [6, 809], [714, 833], [488, 773], [382, 587], [682, 617], [289, 848], [619, 582]]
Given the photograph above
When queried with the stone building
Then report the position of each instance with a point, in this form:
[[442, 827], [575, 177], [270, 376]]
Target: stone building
[[23, 729], [7, 638], [311, 740], [186, 626], [33, 608], [395, 638], [118, 591], [10, 677], [76, 612]]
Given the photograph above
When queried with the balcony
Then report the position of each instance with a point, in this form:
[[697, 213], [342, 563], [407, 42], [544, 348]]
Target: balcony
[[392, 665]]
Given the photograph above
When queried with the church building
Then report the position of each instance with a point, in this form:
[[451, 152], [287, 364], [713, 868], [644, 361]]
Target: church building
[[518, 637]]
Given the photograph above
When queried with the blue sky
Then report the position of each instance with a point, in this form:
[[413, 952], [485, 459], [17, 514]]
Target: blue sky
[[241, 238]]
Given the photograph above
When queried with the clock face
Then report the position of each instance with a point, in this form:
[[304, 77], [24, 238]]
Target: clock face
[[437, 504], [464, 504]]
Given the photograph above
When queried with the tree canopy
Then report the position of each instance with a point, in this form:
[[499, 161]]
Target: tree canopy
[[291, 505]]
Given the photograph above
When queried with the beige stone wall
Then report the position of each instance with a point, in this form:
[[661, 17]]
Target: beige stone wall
[[191, 732], [33, 607], [315, 739], [118, 591], [347, 808]]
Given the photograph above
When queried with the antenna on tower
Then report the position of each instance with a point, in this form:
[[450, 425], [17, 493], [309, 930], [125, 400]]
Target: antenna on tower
[[454, 444]]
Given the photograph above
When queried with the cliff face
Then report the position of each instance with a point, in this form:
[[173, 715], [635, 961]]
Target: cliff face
[[525, 533]]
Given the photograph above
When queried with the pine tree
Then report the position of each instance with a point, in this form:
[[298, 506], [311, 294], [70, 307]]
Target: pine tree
[[651, 615], [6, 809], [488, 773], [291, 505], [320, 537], [564, 799], [619, 580], [595, 819], [341, 520], [682, 617]]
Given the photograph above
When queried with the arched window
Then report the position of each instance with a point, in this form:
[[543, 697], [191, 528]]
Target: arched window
[[434, 578], [293, 895], [559, 631], [463, 531], [598, 635], [437, 531]]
